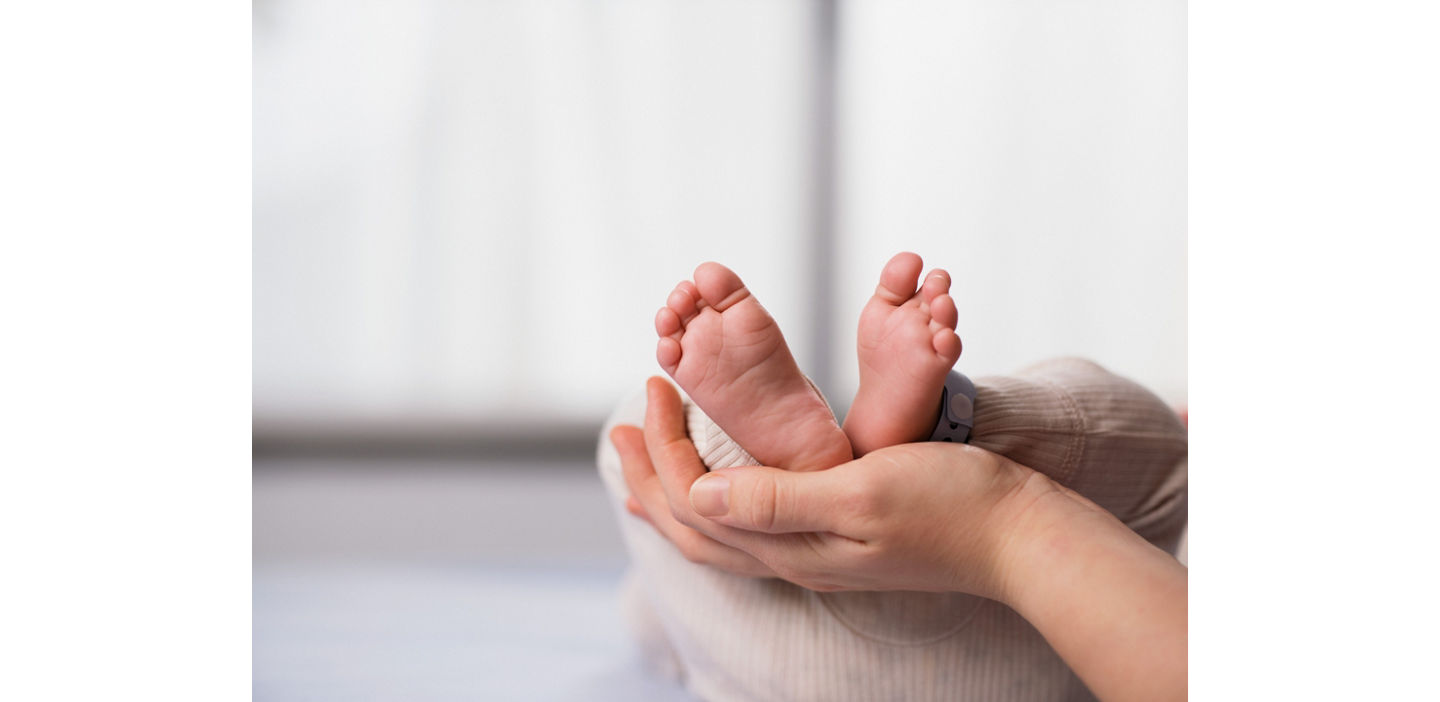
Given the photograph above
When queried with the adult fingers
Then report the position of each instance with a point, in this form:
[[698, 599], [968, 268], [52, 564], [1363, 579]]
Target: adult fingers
[[802, 525], [665, 436], [757, 498], [672, 458], [635, 509], [675, 461], [648, 501], [635, 462]]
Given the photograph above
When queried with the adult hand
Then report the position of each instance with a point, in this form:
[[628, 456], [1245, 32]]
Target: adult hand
[[938, 517], [911, 517]]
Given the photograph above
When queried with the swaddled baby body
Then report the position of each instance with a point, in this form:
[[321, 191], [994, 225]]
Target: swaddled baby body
[[731, 637]]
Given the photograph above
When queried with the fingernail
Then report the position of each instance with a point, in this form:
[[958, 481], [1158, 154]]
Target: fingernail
[[710, 495]]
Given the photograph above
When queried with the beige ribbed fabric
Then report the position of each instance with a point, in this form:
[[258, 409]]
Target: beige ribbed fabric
[[733, 638], [1101, 435], [715, 447]]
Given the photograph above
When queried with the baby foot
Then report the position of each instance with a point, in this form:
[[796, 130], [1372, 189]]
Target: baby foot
[[727, 353], [907, 344]]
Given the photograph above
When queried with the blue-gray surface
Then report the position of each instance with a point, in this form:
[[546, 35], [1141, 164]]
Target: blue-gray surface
[[413, 633], [421, 581]]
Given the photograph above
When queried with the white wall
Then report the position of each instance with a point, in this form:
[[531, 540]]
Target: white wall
[[471, 211], [1037, 150]]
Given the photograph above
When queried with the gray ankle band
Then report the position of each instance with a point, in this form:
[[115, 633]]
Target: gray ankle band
[[957, 409]]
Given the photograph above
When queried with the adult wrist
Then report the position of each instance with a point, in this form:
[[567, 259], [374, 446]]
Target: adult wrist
[[1040, 524], [1112, 605]]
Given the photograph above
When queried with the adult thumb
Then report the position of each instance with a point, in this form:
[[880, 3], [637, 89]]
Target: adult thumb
[[757, 498]]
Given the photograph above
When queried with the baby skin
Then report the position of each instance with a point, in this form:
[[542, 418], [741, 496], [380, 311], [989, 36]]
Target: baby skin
[[720, 345]]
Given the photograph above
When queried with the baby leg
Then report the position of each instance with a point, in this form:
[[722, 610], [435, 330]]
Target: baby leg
[[1097, 433]]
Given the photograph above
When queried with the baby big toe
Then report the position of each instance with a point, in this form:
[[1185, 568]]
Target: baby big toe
[[897, 278], [719, 286]]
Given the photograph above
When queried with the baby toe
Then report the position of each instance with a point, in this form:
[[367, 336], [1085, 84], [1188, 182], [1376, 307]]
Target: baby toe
[[683, 301], [897, 279], [936, 284], [667, 322], [947, 345], [943, 311], [719, 286], [667, 352]]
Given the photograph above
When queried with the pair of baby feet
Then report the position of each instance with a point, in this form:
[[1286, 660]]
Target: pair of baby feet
[[727, 353]]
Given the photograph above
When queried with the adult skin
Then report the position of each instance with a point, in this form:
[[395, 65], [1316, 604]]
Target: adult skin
[[932, 517]]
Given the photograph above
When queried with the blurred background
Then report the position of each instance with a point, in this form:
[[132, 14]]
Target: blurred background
[[466, 214]]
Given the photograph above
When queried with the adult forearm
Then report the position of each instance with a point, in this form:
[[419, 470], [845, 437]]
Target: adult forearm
[[1113, 606]]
